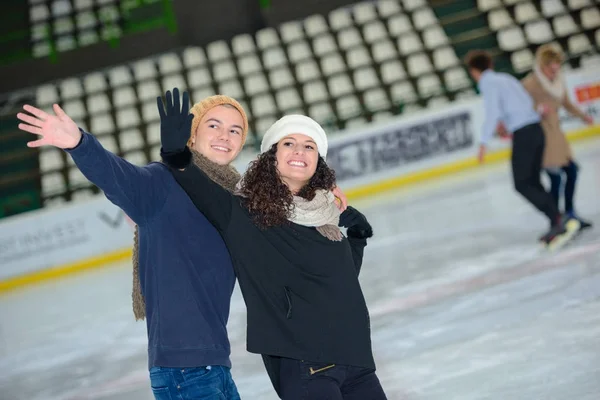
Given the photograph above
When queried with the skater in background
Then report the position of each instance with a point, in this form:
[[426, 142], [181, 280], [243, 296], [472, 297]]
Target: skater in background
[[307, 315], [505, 100], [546, 86], [183, 276]]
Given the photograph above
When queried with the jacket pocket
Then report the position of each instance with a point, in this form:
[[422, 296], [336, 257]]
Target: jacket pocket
[[288, 298]]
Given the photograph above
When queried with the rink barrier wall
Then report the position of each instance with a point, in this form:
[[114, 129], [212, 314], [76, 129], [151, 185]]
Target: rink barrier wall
[[61, 271], [46, 244], [124, 253], [446, 169]]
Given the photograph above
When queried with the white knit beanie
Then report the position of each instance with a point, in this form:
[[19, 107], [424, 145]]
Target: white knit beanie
[[291, 124]]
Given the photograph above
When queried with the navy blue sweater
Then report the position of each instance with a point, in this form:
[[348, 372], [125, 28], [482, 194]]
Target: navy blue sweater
[[185, 269]]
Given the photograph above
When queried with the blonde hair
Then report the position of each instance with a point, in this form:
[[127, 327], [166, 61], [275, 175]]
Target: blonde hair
[[548, 54], [202, 107]]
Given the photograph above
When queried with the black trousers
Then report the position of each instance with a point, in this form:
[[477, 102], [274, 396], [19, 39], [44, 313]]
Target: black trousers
[[302, 380], [527, 157]]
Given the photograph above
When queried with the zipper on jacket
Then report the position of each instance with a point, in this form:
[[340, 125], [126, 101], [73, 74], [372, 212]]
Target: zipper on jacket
[[288, 297], [314, 371]]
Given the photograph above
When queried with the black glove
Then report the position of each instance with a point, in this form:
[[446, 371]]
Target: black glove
[[356, 222], [175, 127]]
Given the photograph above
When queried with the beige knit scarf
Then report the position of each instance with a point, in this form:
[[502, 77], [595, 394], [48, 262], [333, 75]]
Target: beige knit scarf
[[556, 88], [224, 175], [321, 212]]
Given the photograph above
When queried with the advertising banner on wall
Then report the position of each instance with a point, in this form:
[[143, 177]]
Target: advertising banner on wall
[[395, 146], [583, 86], [47, 238], [389, 149]]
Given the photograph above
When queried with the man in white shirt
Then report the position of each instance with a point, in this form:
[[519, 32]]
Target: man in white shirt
[[505, 100]]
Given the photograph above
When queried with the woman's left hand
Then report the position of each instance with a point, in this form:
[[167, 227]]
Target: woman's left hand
[[357, 224], [340, 199], [588, 120]]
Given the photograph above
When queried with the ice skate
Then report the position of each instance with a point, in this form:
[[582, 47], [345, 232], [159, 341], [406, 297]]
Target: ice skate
[[584, 224], [559, 235]]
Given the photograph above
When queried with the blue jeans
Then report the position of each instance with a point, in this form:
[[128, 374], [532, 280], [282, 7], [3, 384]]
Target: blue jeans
[[555, 176], [202, 383]]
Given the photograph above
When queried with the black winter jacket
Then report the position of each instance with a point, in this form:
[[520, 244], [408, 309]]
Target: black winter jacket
[[301, 289]]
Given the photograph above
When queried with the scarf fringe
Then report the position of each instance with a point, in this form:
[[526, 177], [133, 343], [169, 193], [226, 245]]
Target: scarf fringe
[[224, 175], [331, 232], [139, 304]]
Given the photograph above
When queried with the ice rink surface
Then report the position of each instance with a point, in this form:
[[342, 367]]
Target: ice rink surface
[[464, 305]]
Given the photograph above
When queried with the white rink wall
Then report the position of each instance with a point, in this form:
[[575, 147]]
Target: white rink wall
[[381, 151], [43, 239]]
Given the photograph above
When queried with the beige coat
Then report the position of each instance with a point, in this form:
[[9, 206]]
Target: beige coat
[[558, 151]]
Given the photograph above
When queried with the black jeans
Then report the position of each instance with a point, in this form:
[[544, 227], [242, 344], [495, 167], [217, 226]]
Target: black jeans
[[527, 156], [301, 380]]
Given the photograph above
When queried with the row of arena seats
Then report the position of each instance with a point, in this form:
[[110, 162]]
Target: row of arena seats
[[337, 69], [358, 64], [64, 25], [521, 25]]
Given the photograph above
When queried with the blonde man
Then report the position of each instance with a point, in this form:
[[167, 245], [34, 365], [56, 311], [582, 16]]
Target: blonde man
[[184, 277]]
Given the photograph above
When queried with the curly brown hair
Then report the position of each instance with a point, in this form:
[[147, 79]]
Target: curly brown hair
[[268, 199]]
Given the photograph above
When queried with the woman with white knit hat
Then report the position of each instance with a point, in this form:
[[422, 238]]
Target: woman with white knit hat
[[298, 273]]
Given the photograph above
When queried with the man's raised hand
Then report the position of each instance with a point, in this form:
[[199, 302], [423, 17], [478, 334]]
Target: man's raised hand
[[54, 130]]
